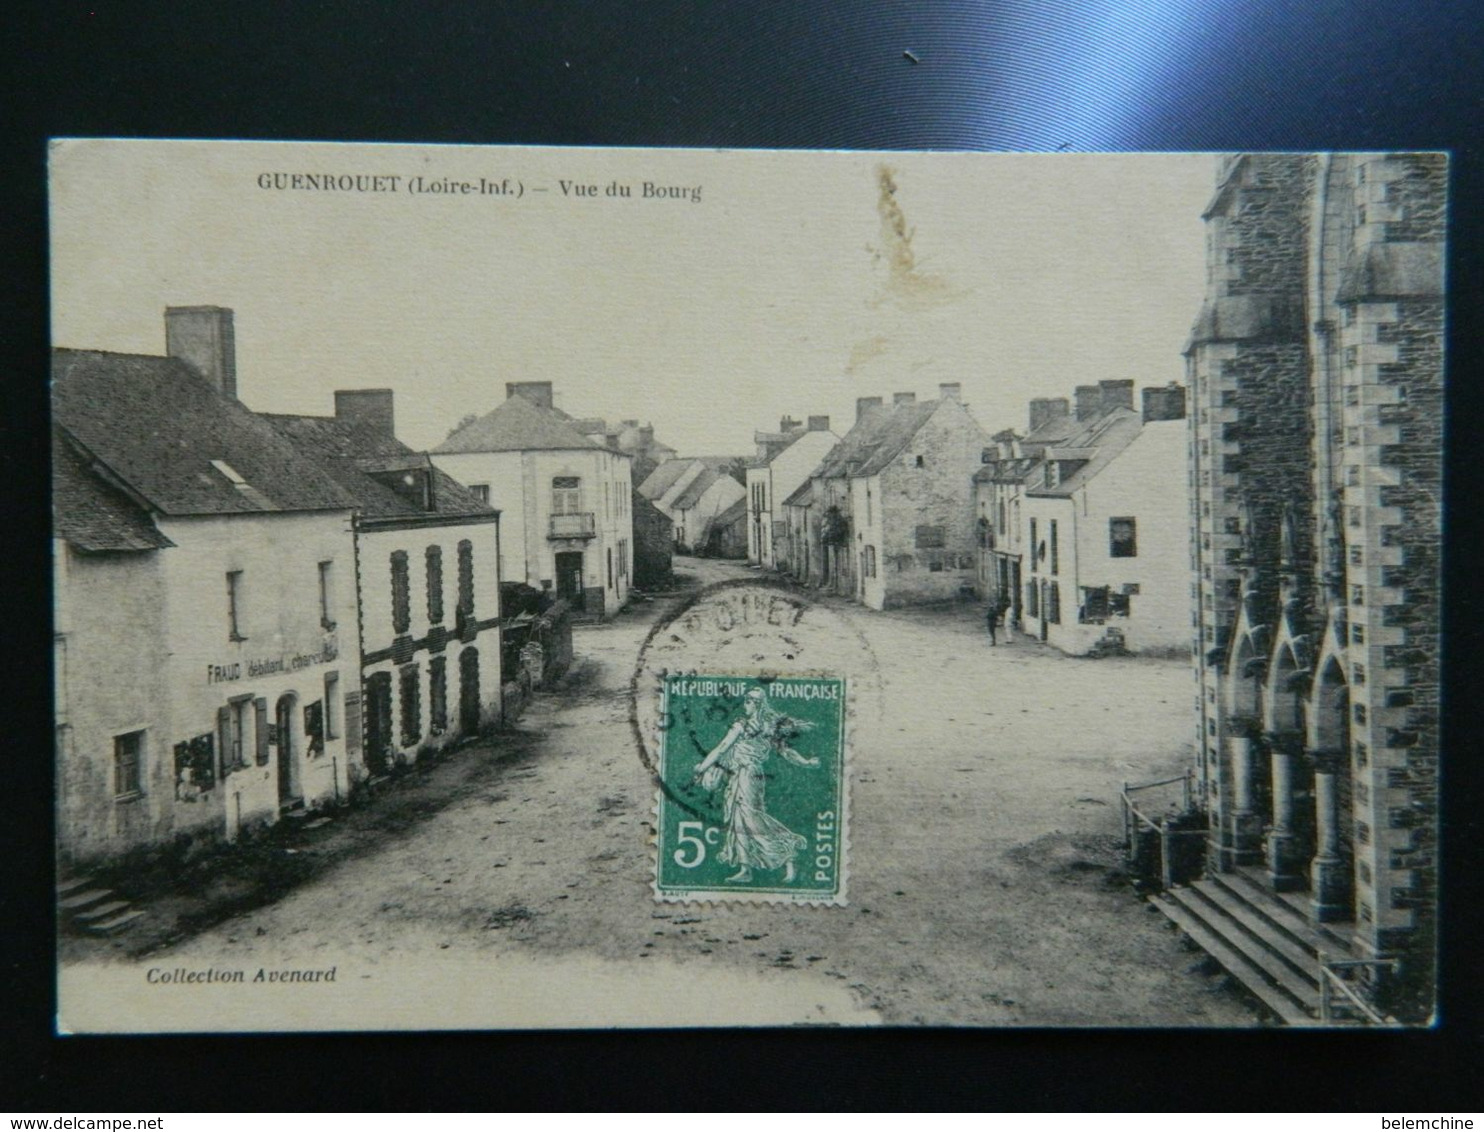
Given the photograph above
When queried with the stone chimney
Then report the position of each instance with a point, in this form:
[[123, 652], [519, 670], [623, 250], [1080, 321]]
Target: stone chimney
[[203, 338], [950, 391], [819, 424], [1044, 410], [1089, 402], [903, 398], [610, 440], [646, 436], [1164, 404], [630, 424], [372, 407], [1116, 395], [536, 392], [787, 424], [864, 405]]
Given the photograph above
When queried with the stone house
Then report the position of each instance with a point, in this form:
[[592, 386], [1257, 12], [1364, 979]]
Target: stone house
[[427, 565], [1316, 373], [565, 499], [910, 505], [207, 641]]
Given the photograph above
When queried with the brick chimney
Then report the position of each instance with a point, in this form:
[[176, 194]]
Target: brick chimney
[[787, 424], [1089, 402], [864, 405], [1116, 395], [630, 424], [371, 407], [204, 339], [646, 436], [950, 391], [819, 424], [536, 392], [1165, 403], [1044, 410], [903, 398]]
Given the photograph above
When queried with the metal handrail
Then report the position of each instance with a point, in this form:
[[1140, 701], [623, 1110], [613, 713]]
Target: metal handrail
[[1331, 980]]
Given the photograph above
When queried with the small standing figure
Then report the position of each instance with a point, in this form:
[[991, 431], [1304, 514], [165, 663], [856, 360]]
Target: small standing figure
[[992, 619], [754, 838]]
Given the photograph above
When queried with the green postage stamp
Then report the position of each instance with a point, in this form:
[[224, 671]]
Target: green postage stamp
[[752, 802]]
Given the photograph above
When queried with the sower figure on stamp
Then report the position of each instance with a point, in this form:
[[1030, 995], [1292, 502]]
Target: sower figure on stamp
[[754, 839]]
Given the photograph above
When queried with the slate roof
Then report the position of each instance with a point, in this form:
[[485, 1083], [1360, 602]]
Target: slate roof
[[156, 425], [892, 435], [516, 425], [361, 458], [662, 478], [1097, 444], [696, 488], [801, 496], [91, 514], [875, 440]]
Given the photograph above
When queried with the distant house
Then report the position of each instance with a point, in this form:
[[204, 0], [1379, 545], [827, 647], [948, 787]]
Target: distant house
[[704, 498], [428, 567], [565, 499], [206, 629], [783, 462], [691, 491]]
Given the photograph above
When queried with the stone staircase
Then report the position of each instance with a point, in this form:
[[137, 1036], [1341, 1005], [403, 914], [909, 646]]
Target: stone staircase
[[1262, 938], [94, 909]]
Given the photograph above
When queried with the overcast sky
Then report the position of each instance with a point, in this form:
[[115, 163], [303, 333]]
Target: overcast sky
[[797, 283]]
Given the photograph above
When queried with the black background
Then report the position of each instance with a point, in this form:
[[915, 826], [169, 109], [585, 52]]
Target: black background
[[1177, 74]]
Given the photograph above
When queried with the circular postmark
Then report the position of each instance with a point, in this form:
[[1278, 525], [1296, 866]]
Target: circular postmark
[[745, 702]]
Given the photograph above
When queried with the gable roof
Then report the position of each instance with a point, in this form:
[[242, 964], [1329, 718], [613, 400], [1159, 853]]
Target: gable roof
[[892, 435], [662, 478], [517, 425], [726, 517], [362, 458], [801, 496], [696, 488], [91, 514], [177, 444]]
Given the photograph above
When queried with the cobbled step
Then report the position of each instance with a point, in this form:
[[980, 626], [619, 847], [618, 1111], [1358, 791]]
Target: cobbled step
[[115, 923], [1233, 962], [1302, 960], [317, 823], [84, 899], [103, 911], [1282, 912], [72, 885]]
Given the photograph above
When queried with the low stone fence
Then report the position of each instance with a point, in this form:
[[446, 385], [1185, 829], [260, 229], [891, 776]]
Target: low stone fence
[[535, 650]]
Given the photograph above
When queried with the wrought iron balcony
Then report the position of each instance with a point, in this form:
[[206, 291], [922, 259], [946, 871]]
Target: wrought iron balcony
[[578, 524]]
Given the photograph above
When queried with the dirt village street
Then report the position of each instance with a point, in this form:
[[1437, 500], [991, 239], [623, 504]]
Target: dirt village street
[[986, 869]]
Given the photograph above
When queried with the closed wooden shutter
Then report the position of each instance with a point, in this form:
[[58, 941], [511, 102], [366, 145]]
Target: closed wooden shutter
[[260, 712], [224, 737]]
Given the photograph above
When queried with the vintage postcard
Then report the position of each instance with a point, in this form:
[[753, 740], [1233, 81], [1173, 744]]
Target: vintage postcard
[[519, 587]]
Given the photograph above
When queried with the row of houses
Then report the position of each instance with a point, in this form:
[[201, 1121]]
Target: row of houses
[[258, 613], [1074, 529]]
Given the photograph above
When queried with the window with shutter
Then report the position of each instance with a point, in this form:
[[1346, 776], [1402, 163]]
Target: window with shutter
[[434, 556], [466, 578], [260, 712], [410, 688], [401, 593]]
